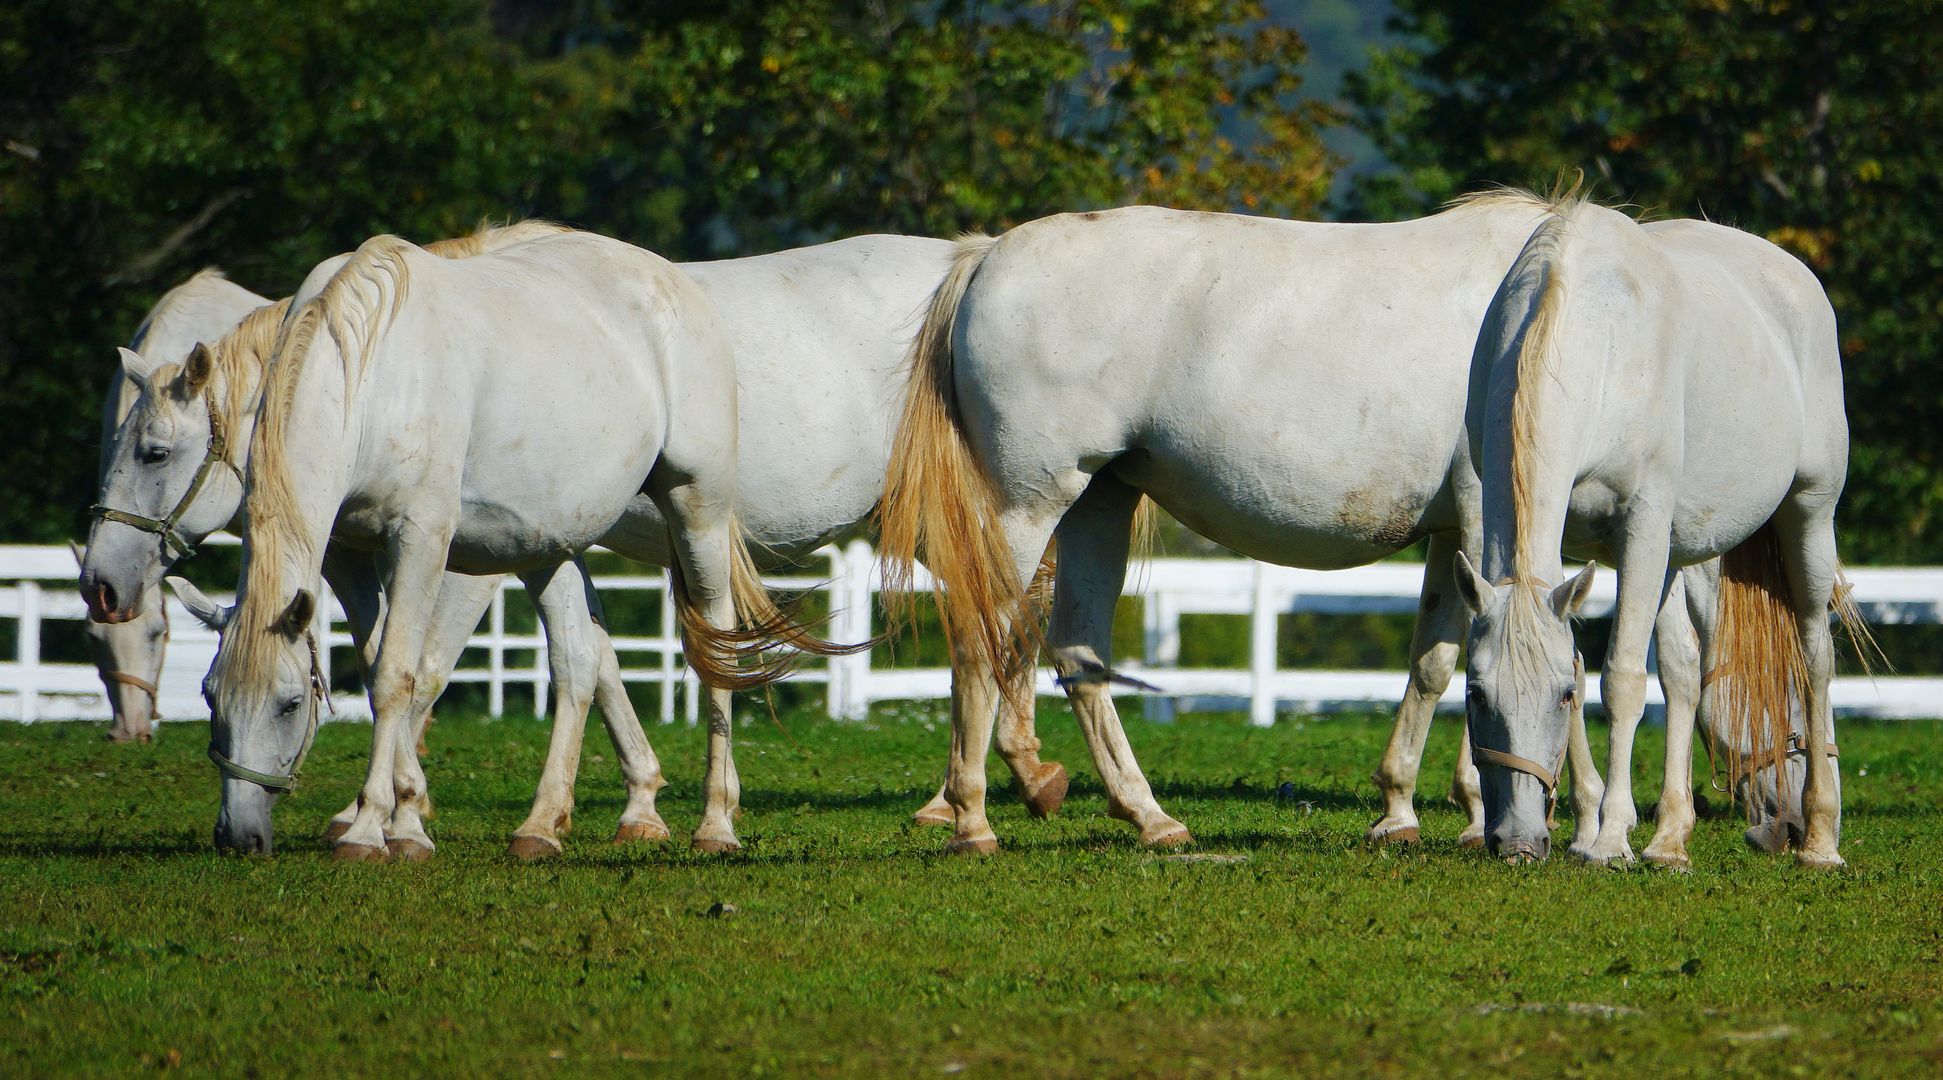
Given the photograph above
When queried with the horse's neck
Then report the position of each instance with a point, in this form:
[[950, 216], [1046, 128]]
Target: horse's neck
[[316, 445], [1539, 422]]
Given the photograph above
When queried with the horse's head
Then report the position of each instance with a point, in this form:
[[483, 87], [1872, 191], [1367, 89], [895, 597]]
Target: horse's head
[[168, 484], [1772, 794], [1525, 683], [264, 692], [129, 657]]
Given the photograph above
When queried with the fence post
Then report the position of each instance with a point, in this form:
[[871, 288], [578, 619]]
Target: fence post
[[838, 623], [496, 655], [1161, 641], [859, 565], [668, 648], [27, 651], [1261, 654]]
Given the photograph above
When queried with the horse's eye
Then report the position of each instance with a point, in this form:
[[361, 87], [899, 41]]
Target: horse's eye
[[155, 455], [1566, 699], [1475, 694], [291, 705]]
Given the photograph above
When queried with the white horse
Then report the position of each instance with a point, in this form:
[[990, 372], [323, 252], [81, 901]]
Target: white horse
[[1659, 395], [494, 414], [1293, 391], [128, 653], [171, 475]]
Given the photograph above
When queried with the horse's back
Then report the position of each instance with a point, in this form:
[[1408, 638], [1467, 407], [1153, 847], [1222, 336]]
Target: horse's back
[[819, 336], [1293, 389]]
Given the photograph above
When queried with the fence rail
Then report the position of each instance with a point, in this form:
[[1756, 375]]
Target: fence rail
[[36, 587]]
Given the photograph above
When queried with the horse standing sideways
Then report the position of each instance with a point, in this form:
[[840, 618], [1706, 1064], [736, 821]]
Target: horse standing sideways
[[494, 414], [128, 653], [1660, 395], [1294, 391]]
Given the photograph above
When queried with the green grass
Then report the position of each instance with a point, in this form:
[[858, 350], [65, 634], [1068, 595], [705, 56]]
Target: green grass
[[855, 948]]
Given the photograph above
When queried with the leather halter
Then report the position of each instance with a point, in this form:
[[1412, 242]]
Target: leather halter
[[1747, 768], [216, 453], [278, 783]]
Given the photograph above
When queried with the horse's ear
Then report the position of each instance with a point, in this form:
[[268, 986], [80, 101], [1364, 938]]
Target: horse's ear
[[207, 611], [136, 367], [197, 369], [1471, 584], [296, 617], [1569, 597]]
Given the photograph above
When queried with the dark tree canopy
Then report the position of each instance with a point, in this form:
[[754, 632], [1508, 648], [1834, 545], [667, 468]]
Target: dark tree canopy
[[140, 142], [1813, 124]]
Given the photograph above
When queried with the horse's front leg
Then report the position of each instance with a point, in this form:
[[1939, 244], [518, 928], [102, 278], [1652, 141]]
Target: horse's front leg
[[574, 659], [1680, 666], [394, 780], [1643, 578], [1433, 659], [354, 581]]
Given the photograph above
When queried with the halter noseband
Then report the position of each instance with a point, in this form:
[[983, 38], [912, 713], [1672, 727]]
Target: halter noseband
[[278, 783], [1749, 768], [216, 453]]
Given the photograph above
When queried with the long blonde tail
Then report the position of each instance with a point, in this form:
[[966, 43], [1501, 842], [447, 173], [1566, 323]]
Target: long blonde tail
[[940, 505], [767, 643], [1761, 666]]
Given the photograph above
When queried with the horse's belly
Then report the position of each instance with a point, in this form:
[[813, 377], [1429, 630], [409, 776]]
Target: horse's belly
[[1291, 516]]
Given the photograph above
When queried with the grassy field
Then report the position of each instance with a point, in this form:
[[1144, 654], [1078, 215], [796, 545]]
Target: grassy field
[[855, 948]]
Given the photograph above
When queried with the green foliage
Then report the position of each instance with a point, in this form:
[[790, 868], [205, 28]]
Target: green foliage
[[1808, 123], [145, 141], [855, 949]]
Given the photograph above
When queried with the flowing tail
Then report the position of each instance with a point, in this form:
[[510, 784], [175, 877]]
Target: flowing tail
[[1761, 665], [939, 504], [767, 643]]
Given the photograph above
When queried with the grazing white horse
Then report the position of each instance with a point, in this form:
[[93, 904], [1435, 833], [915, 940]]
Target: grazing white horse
[[128, 652], [494, 414], [171, 475], [1294, 391], [1659, 395]]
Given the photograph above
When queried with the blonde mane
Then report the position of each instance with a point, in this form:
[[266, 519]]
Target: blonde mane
[[487, 236], [353, 308]]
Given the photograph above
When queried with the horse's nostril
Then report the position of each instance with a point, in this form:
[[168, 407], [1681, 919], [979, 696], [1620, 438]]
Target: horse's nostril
[[105, 595]]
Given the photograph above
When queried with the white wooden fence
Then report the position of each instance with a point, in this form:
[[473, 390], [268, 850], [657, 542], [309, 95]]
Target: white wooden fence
[[36, 587]]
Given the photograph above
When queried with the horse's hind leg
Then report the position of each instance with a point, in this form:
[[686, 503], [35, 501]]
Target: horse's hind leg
[[573, 661], [1680, 678], [1433, 659], [1806, 528], [1093, 540], [700, 529], [639, 767], [1042, 783]]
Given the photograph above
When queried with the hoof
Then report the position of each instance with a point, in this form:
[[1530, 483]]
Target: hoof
[[1472, 837], [1811, 860], [1045, 799], [404, 850], [652, 832], [343, 852], [712, 846], [1169, 834], [335, 830], [1404, 834], [1676, 861], [972, 845], [932, 816], [129, 737], [533, 848]]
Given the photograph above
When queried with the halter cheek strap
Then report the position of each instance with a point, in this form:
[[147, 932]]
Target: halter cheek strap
[[278, 783], [1748, 769], [215, 454]]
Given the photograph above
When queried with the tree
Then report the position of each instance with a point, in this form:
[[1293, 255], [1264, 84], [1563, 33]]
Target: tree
[[140, 142], [1808, 123]]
